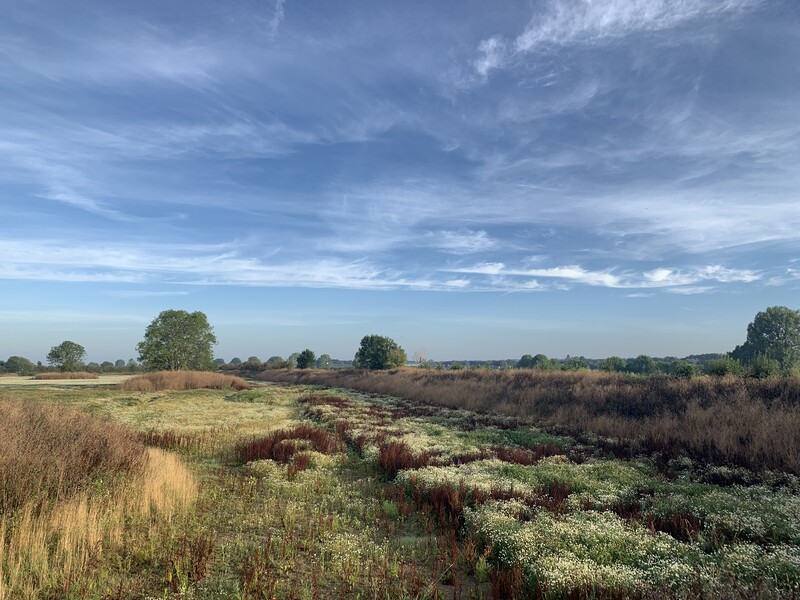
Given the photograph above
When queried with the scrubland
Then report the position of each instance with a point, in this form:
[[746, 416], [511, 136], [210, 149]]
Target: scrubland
[[293, 491], [730, 420]]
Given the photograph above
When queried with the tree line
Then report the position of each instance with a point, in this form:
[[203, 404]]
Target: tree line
[[178, 340]]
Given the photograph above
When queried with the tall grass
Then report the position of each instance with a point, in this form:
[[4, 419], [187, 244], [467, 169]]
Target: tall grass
[[728, 420], [66, 375], [72, 487], [49, 452], [183, 380]]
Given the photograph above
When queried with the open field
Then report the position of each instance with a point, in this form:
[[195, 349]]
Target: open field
[[15, 380], [295, 492]]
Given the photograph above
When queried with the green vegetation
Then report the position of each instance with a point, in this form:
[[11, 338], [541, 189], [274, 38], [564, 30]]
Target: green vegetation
[[379, 352], [67, 356], [306, 359], [178, 340], [773, 339]]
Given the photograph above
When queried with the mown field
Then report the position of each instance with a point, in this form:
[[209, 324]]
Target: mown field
[[289, 491]]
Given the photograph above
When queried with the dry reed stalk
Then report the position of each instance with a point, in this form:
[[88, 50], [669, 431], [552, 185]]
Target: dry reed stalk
[[53, 547], [66, 375], [183, 380]]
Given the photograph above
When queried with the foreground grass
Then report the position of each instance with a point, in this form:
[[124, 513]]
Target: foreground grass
[[297, 493]]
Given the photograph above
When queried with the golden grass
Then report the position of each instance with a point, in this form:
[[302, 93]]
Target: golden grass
[[731, 420], [65, 375], [183, 380], [53, 548]]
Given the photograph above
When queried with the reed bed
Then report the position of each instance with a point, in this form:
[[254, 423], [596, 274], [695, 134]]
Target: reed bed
[[724, 420], [66, 375], [183, 380]]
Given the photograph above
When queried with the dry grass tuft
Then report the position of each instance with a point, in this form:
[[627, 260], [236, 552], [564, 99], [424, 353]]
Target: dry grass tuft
[[70, 486], [282, 445], [66, 375], [49, 452], [723, 420], [183, 380]]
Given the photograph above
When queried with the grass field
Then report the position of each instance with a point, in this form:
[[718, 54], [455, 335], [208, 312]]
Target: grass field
[[288, 491]]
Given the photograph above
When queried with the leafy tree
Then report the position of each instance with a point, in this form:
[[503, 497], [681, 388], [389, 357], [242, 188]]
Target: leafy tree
[[525, 362], [641, 365], [20, 365], [379, 352], [683, 369], [723, 366], [324, 362], [93, 367], [177, 340], [67, 356], [276, 362], [575, 364], [456, 366], [106, 365], [613, 364], [119, 364], [306, 359], [292, 360], [774, 334], [218, 362], [253, 363], [763, 366], [236, 361]]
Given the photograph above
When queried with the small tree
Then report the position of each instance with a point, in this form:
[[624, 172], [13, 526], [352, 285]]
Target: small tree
[[763, 366], [67, 356], [324, 362], [725, 365], [292, 360], [525, 362], [379, 352], [613, 364], [20, 365], [641, 365], [276, 362], [178, 340], [306, 359], [575, 364], [683, 369]]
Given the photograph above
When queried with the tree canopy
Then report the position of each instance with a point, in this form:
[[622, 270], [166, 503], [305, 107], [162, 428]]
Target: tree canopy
[[306, 359], [773, 334], [379, 352], [67, 356], [178, 340]]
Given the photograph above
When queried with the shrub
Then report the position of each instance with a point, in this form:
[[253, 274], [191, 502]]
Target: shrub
[[66, 375], [183, 380]]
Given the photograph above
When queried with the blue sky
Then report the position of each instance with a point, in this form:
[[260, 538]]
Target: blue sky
[[473, 179]]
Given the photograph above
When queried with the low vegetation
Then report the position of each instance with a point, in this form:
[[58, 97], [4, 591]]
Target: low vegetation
[[728, 420], [66, 375], [183, 380], [292, 492]]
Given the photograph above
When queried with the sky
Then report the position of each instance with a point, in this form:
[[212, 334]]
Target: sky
[[474, 180]]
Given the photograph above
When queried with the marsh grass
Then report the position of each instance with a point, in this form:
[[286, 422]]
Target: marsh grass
[[723, 420], [65, 375], [183, 380]]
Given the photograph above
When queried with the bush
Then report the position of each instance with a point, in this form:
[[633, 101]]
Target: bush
[[183, 380], [762, 367], [66, 375], [723, 366]]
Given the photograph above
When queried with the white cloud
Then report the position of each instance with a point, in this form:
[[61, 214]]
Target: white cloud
[[463, 241], [568, 21]]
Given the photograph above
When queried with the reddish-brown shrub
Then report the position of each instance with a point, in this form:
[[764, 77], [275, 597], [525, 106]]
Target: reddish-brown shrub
[[282, 445], [183, 380], [66, 375]]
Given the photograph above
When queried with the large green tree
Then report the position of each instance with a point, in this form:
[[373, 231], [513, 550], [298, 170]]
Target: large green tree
[[177, 340], [67, 356], [773, 334], [379, 352], [306, 359], [20, 365]]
